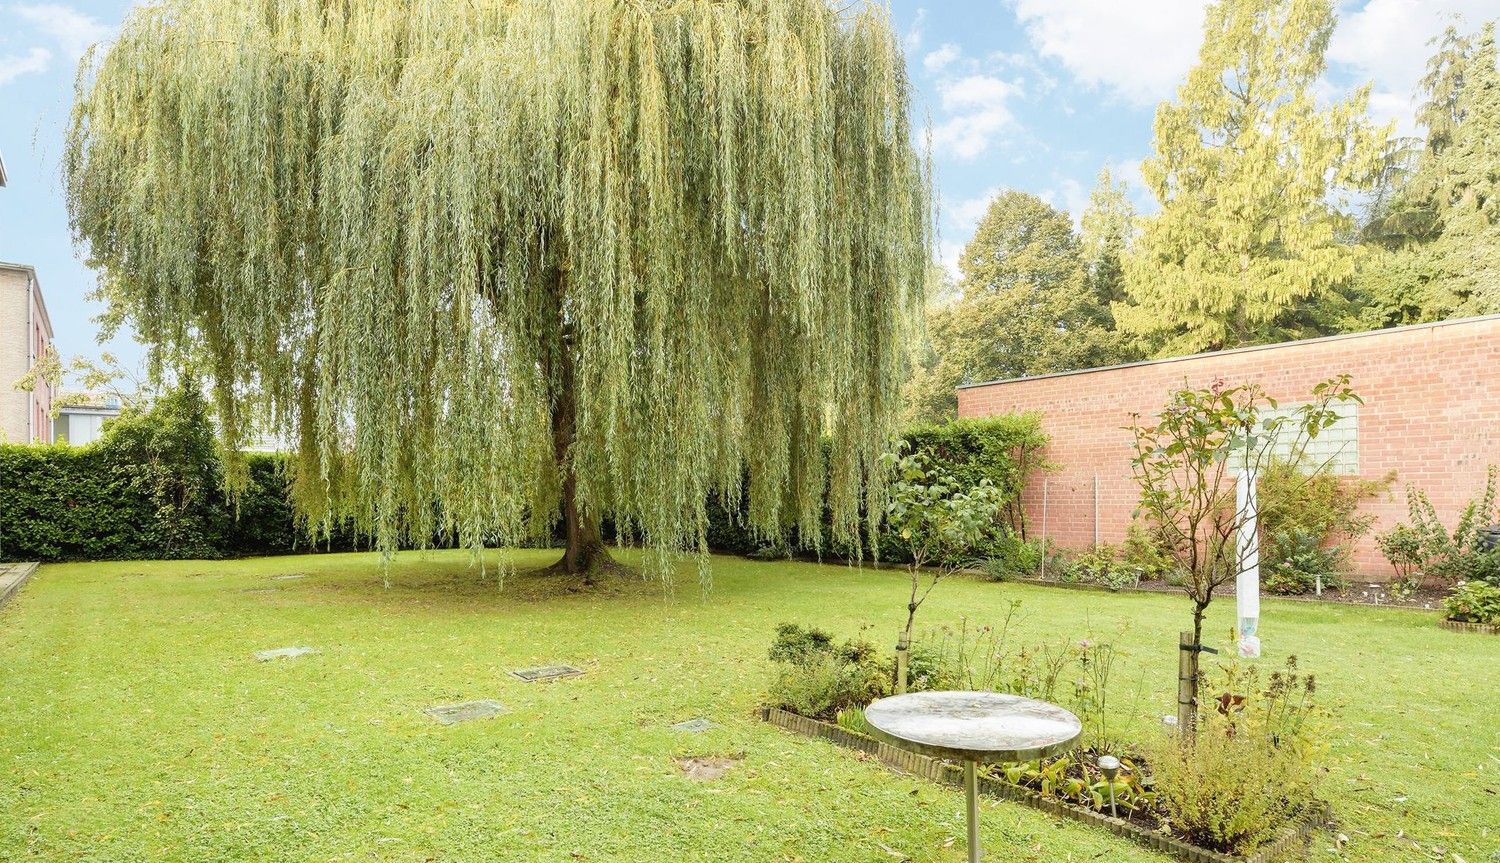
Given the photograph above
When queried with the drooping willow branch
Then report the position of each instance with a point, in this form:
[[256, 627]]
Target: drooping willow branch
[[381, 223]]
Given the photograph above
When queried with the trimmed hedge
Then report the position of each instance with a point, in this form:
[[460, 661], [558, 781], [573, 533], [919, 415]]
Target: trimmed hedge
[[153, 488]]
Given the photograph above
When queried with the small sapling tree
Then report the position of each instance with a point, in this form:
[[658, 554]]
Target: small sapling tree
[[941, 522], [1185, 463]]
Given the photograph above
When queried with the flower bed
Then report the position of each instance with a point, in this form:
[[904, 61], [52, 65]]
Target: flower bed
[[1293, 837]]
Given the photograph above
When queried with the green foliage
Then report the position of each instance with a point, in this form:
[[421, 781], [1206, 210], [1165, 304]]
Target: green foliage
[[1025, 308], [945, 524], [1474, 602], [1302, 561], [1308, 523], [1145, 550], [1424, 547], [1440, 229], [1322, 506], [1105, 230], [1252, 769], [1013, 557], [795, 643], [152, 487], [1104, 565], [1250, 169], [1076, 778], [503, 255], [815, 678]]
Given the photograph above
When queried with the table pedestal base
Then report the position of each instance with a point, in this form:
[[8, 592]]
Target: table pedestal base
[[971, 791]]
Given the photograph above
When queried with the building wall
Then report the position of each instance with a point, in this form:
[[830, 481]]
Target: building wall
[[25, 332], [1431, 414]]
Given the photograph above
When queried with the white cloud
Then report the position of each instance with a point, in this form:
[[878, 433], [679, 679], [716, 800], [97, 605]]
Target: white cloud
[[977, 110], [1139, 50], [1068, 195], [72, 30], [913, 38], [1386, 41], [942, 57], [964, 215], [13, 67], [949, 251]]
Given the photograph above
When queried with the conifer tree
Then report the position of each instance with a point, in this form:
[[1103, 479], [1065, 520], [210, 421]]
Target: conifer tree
[[1250, 174]]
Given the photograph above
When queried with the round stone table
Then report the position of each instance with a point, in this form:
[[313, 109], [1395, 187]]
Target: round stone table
[[972, 727]]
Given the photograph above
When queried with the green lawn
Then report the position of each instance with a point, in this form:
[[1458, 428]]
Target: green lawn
[[135, 724]]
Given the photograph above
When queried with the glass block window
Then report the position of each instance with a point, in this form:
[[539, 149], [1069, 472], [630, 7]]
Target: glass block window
[[1338, 445]]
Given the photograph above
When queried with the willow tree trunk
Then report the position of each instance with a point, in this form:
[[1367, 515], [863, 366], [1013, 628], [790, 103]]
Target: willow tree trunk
[[585, 553]]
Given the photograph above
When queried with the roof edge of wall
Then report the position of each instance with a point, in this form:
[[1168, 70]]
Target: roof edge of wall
[[1245, 350]]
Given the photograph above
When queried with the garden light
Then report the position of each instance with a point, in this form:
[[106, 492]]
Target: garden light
[[1110, 767]]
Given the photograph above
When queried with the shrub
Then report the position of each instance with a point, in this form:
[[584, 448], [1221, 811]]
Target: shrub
[[1474, 602], [816, 678], [1145, 550], [1296, 510], [1014, 557], [794, 643], [1303, 561], [1251, 769], [1426, 547], [1102, 565]]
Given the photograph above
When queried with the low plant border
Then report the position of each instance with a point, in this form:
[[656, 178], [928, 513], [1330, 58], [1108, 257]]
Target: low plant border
[[1293, 837], [1229, 591], [11, 583], [1465, 626]]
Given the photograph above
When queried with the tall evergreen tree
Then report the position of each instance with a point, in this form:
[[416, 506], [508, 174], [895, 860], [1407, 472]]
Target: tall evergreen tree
[[1250, 238], [1105, 230], [504, 255], [1439, 253], [1467, 190], [1025, 307]]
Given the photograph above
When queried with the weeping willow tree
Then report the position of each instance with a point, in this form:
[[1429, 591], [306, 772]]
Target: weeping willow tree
[[493, 264]]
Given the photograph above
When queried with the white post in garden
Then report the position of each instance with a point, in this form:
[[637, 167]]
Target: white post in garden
[[1247, 583]]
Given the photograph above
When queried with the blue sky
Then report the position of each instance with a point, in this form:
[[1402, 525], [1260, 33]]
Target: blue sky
[[1030, 94]]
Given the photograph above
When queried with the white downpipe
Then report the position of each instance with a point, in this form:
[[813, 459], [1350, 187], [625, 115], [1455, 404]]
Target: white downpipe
[[1247, 582]]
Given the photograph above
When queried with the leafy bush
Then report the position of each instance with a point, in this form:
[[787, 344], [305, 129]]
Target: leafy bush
[[1474, 602], [1302, 562], [1102, 565], [816, 678], [1145, 550], [794, 643], [1296, 509], [1014, 557], [1251, 769], [1424, 547], [153, 487]]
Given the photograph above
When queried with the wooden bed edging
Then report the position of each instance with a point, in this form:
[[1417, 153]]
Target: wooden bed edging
[[1292, 838], [1464, 626]]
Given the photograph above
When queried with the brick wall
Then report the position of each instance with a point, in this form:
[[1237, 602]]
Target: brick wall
[[1431, 413]]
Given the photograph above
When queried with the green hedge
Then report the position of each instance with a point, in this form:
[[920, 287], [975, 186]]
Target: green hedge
[[153, 488]]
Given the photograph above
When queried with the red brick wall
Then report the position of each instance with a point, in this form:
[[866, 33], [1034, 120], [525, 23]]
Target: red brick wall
[[1431, 413]]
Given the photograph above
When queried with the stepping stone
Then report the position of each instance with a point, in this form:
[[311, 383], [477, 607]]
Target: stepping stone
[[261, 590], [545, 672], [289, 576], [283, 653], [705, 768], [693, 726], [452, 714]]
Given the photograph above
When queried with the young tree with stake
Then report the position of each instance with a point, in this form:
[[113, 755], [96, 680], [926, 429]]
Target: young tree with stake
[[1185, 463]]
